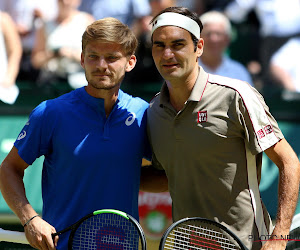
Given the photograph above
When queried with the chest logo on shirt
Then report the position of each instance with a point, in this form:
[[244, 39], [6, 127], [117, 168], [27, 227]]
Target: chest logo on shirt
[[130, 119], [202, 116], [21, 135]]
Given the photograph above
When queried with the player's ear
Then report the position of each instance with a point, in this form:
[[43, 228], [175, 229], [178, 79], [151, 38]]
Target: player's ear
[[82, 60], [131, 63], [200, 46]]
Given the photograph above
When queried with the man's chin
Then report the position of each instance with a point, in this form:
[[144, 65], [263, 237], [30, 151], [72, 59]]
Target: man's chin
[[104, 86]]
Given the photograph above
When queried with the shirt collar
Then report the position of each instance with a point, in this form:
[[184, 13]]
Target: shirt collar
[[199, 86], [96, 103]]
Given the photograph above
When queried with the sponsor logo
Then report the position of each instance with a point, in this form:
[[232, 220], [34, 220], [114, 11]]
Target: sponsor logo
[[261, 134], [268, 129], [202, 116], [21, 135], [130, 120]]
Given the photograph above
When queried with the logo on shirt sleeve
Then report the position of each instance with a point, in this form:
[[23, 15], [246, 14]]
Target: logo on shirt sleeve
[[21, 135], [130, 119], [268, 129], [202, 116], [265, 131], [260, 134]]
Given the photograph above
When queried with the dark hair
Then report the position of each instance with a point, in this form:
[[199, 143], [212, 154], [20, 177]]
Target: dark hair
[[186, 12]]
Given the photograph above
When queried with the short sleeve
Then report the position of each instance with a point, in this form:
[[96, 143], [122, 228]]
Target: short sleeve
[[260, 127], [34, 139]]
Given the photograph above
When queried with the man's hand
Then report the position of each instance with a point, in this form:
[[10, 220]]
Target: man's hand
[[39, 234]]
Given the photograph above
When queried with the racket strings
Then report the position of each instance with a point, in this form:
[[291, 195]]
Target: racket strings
[[199, 237], [106, 231]]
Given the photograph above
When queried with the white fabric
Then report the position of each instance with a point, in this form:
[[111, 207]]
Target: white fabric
[[127, 11], [175, 19], [21, 12], [287, 57], [3, 55], [255, 195], [276, 17], [7, 95], [229, 68], [68, 36]]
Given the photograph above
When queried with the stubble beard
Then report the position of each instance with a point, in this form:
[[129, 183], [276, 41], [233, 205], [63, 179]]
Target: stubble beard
[[100, 85]]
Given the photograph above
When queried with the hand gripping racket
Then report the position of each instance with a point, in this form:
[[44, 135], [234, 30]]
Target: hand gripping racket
[[199, 233], [102, 229], [106, 229]]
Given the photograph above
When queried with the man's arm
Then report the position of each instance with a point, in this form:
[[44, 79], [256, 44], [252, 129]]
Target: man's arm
[[13, 49], [38, 231], [289, 175], [282, 77]]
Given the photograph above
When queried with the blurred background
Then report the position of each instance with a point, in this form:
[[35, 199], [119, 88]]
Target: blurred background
[[257, 41]]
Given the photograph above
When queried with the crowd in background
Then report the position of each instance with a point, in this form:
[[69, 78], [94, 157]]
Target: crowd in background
[[252, 40]]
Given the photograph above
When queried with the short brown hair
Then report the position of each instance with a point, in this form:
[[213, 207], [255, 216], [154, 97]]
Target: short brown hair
[[110, 30]]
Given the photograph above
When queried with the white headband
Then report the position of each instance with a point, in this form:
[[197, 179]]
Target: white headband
[[175, 19]]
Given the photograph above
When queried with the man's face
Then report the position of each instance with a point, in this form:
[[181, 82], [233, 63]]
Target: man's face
[[174, 53], [105, 65], [215, 38]]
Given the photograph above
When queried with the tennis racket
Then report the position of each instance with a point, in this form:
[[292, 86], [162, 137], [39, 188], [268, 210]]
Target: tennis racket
[[106, 229], [199, 233]]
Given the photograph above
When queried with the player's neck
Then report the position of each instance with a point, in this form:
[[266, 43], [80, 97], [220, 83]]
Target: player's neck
[[109, 102], [110, 96], [180, 90]]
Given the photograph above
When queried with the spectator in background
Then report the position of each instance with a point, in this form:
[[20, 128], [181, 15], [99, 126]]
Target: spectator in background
[[145, 70], [27, 14], [217, 35], [10, 57], [127, 11], [279, 20], [57, 46], [285, 67], [201, 6]]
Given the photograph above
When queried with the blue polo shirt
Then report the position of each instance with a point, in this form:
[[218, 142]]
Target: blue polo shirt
[[91, 162]]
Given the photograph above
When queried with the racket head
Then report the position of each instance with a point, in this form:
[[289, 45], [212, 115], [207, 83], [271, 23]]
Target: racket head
[[199, 233], [107, 229]]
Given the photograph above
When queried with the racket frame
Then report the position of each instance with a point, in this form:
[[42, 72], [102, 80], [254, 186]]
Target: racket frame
[[186, 220], [74, 227]]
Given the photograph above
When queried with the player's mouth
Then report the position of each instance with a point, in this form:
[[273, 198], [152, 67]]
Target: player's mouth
[[170, 65], [100, 75]]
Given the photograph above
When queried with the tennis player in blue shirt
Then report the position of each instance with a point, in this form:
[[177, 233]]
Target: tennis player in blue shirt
[[93, 140]]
